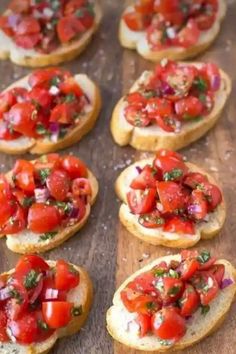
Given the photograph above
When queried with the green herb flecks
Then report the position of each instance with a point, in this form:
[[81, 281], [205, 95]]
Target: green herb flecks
[[205, 309], [41, 130], [173, 175], [149, 94], [173, 274], [31, 279], [77, 311], [70, 98], [174, 290], [65, 207], [47, 236], [27, 202], [200, 84], [16, 295], [204, 257], [55, 81], [43, 325], [43, 174]]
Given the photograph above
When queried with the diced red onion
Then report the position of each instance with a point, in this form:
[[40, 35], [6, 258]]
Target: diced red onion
[[194, 208], [55, 130], [41, 195], [215, 83], [37, 291], [226, 282], [166, 89], [74, 213], [5, 293], [13, 20], [87, 98], [51, 294], [139, 169]]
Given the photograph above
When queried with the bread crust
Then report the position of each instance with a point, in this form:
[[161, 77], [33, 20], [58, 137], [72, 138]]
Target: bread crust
[[196, 331], [44, 146], [204, 230], [82, 295], [137, 40], [153, 138], [18, 244], [62, 54]]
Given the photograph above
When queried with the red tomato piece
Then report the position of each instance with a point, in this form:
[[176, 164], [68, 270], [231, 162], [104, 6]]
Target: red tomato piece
[[205, 21], [136, 21], [135, 301], [24, 329], [189, 35], [87, 20], [81, 187], [136, 116], [152, 220], [80, 207], [23, 173], [197, 206], [71, 86], [136, 98], [218, 270], [144, 282], [141, 202], [16, 223], [28, 41], [15, 308], [27, 25], [7, 100], [73, 5], [159, 107], [5, 26], [23, 118], [145, 7], [188, 267], [178, 225], [8, 208], [189, 108], [43, 77], [172, 289], [145, 179], [170, 168], [144, 321], [194, 180], [29, 262], [206, 286], [212, 194], [50, 162], [3, 326], [68, 28], [168, 153], [57, 314], [65, 113], [49, 291], [19, 7], [189, 301], [66, 276], [168, 324], [58, 184], [6, 133], [171, 196], [213, 76], [74, 167], [40, 97], [21, 94], [48, 213]]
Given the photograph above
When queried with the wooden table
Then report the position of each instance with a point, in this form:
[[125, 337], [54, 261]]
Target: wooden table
[[104, 247]]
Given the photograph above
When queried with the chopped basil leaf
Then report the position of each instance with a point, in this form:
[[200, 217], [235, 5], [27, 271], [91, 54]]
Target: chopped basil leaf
[[55, 81], [66, 207], [165, 342], [47, 236], [16, 295], [31, 279], [73, 270], [204, 257], [90, 8], [205, 309], [43, 174], [174, 290], [151, 306], [200, 84], [202, 98], [77, 311], [149, 94], [70, 98], [28, 201], [172, 175], [41, 130], [43, 325], [173, 273]]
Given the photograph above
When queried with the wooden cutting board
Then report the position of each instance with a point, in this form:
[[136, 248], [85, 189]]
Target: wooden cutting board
[[104, 247]]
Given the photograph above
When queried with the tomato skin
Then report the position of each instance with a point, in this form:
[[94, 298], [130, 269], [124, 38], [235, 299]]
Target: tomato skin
[[136, 21], [152, 220], [14, 308], [188, 268], [41, 97], [43, 77], [169, 153], [7, 209], [23, 173], [68, 28], [178, 225], [144, 282], [141, 202], [74, 167], [66, 277], [79, 204], [27, 25], [144, 6], [29, 262], [28, 41], [194, 179], [23, 118], [213, 195], [81, 187], [218, 270], [3, 325], [16, 223], [189, 35], [48, 213], [171, 196], [206, 286], [19, 7], [135, 301], [71, 86], [167, 164], [159, 107], [189, 108], [136, 98], [189, 302], [136, 116], [57, 314], [172, 290], [197, 206], [144, 321], [145, 179], [168, 324], [64, 113], [25, 329], [73, 5], [58, 184]]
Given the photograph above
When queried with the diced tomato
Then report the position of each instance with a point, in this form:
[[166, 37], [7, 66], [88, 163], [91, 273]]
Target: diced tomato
[[197, 206], [87, 19], [170, 168], [205, 21], [136, 116], [21, 94], [178, 225], [16, 223], [23, 174], [171, 196], [189, 108], [212, 194], [145, 7], [135, 301], [73, 5], [74, 167], [17, 304], [145, 179], [188, 267], [6, 133], [169, 153], [28, 41], [64, 113], [29, 262], [7, 208], [151, 220], [57, 314], [23, 118], [195, 179], [48, 213], [213, 76], [43, 77], [189, 301], [7, 100], [40, 97], [206, 286], [5, 26], [20, 7], [189, 35], [172, 289], [27, 25], [3, 326], [159, 107], [144, 321], [25, 329], [58, 184], [141, 202], [144, 282], [136, 98], [80, 206], [49, 162], [71, 86], [66, 276], [167, 324], [136, 21], [68, 28], [218, 270], [81, 187]]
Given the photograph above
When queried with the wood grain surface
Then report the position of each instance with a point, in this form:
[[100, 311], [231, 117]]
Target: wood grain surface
[[103, 246]]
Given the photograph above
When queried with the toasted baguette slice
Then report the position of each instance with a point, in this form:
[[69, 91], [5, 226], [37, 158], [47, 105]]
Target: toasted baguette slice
[[199, 327], [137, 40], [32, 58], [29, 242], [82, 295], [44, 145], [204, 230], [152, 138]]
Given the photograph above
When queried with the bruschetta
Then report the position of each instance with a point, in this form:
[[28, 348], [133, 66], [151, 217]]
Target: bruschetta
[[44, 202], [167, 201], [178, 30], [171, 107], [46, 111], [42, 301], [42, 33], [172, 303]]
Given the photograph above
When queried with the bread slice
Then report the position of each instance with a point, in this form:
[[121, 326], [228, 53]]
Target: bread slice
[[27, 241], [137, 40], [204, 230], [199, 326], [32, 58], [82, 295], [44, 145], [152, 138]]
